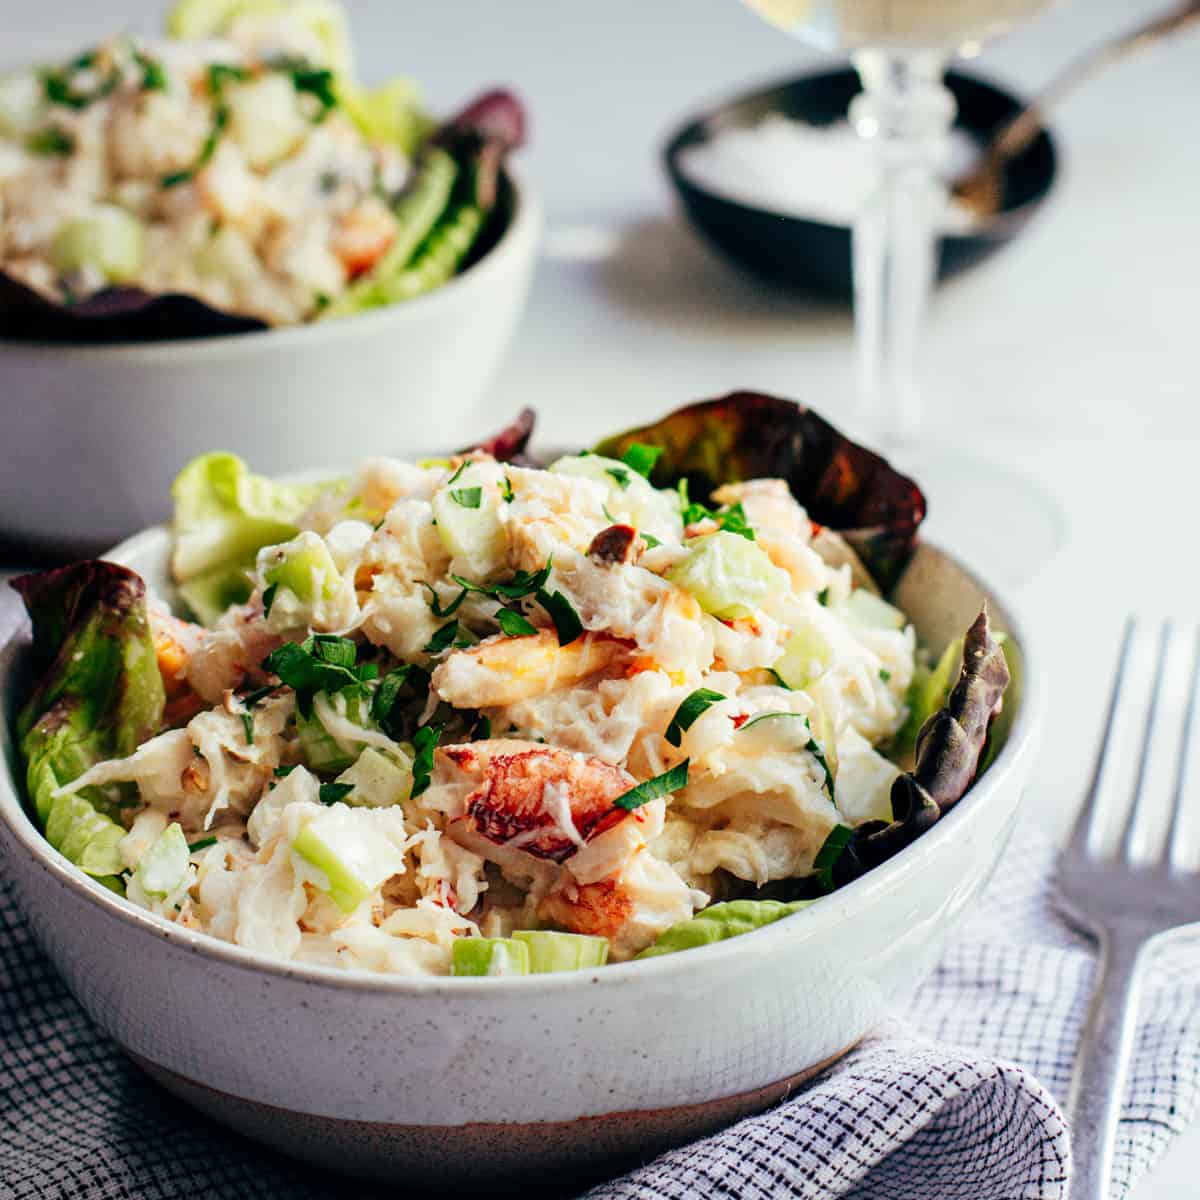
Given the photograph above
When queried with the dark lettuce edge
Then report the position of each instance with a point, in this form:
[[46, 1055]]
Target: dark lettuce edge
[[114, 315], [950, 748], [750, 435], [511, 443]]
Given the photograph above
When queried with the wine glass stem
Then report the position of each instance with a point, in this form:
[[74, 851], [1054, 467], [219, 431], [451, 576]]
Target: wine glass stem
[[904, 113]]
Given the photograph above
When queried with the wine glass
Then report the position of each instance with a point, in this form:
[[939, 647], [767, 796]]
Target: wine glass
[[901, 49]]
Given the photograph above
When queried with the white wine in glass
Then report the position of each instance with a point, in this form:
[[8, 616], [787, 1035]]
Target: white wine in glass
[[901, 49], [920, 24]]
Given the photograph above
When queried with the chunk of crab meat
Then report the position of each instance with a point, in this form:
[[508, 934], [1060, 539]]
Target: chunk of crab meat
[[231, 654], [504, 670], [362, 236], [537, 811], [630, 908], [541, 800], [175, 642]]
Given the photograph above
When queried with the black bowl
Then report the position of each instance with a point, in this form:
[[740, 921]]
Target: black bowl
[[813, 256]]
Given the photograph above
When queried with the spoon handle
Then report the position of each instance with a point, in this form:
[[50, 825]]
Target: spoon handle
[[1023, 128]]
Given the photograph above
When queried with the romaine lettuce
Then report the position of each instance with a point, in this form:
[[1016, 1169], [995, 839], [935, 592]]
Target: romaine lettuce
[[223, 516], [98, 695]]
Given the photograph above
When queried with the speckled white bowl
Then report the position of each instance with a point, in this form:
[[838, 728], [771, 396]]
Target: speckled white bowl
[[441, 1079], [128, 417]]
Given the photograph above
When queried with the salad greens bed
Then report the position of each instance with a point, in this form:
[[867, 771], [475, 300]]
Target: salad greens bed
[[106, 691]]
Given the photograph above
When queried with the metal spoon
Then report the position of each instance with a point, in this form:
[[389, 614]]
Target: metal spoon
[[981, 189]]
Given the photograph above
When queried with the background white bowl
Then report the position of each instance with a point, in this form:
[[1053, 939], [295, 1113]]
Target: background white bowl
[[94, 435], [436, 1080]]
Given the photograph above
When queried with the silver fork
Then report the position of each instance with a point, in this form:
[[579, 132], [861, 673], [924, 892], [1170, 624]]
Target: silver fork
[[1127, 907]]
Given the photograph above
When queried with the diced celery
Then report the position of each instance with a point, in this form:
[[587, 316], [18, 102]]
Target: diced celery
[[110, 240], [631, 497], [377, 780], [867, 610], [163, 867], [720, 922], [468, 522], [489, 956], [806, 656], [320, 751], [730, 576], [265, 119], [304, 566], [354, 859], [550, 951]]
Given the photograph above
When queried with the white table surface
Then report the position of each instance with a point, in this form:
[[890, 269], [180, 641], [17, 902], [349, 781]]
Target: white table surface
[[1072, 357]]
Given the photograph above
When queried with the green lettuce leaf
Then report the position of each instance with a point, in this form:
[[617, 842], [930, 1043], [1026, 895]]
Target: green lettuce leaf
[[719, 922], [98, 695], [223, 516]]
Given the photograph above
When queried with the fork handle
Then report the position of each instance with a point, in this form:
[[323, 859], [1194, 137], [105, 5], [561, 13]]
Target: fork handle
[[1102, 1062]]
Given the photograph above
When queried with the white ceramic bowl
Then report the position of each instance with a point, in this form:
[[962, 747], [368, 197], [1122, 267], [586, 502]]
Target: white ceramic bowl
[[438, 1079], [128, 417]]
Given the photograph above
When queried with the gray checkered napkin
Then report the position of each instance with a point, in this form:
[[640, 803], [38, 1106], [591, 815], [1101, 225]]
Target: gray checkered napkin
[[959, 1099]]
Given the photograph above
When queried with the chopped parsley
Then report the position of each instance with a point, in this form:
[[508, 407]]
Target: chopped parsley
[[443, 639], [62, 86], [512, 624], [885, 675], [620, 475], [424, 743], [268, 598], [248, 726], [731, 517], [321, 663], [522, 584], [566, 620], [249, 701], [436, 607], [383, 702], [202, 844], [50, 141], [154, 78], [642, 458], [470, 497], [219, 74], [831, 850], [312, 81], [661, 785], [812, 746], [823, 597], [507, 491], [689, 712], [331, 793]]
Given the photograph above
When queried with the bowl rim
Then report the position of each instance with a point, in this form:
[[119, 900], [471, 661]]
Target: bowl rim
[[685, 134], [517, 237], [844, 904]]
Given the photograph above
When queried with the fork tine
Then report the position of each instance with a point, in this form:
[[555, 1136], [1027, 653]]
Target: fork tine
[[1084, 822], [1160, 671], [1171, 853]]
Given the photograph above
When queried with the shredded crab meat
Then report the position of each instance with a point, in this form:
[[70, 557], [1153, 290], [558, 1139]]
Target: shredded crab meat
[[499, 786]]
